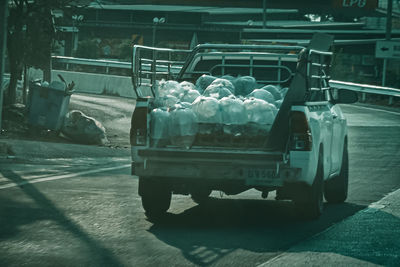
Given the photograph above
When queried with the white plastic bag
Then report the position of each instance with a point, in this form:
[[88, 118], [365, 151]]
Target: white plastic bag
[[83, 129], [234, 115], [263, 95], [183, 127], [203, 82], [233, 111], [169, 87], [166, 101], [190, 96], [159, 132], [273, 90], [208, 113], [207, 110], [219, 89], [260, 113], [244, 85], [187, 86]]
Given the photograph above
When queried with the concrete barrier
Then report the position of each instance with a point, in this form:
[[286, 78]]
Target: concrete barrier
[[92, 83]]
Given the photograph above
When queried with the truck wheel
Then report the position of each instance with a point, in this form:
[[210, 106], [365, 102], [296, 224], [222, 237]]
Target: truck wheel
[[156, 197], [200, 196], [337, 187], [312, 204]]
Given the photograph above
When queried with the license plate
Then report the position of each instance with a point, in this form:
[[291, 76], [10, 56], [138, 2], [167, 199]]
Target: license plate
[[260, 176]]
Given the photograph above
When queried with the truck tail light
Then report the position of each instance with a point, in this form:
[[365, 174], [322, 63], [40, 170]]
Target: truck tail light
[[301, 138], [138, 133]]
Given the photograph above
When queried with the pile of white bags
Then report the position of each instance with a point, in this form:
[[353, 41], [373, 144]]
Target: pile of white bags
[[212, 106]]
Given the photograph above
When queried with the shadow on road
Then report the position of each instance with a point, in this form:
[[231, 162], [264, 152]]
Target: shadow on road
[[16, 214], [207, 233]]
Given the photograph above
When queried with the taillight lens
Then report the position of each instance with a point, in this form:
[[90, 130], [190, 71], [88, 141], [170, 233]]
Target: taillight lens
[[138, 134], [301, 138]]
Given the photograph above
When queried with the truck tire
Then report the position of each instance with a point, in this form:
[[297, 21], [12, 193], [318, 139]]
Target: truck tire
[[200, 196], [336, 188], [156, 197], [311, 205]]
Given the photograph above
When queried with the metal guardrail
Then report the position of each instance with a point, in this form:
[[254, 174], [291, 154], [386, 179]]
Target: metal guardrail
[[366, 89], [91, 62], [106, 63]]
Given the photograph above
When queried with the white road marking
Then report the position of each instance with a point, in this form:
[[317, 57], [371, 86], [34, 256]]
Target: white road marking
[[64, 176]]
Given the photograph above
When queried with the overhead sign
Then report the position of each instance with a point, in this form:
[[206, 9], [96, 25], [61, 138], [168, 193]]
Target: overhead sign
[[387, 49], [358, 4]]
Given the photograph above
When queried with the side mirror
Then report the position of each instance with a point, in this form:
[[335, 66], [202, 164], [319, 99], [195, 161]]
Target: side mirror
[[346, 97]]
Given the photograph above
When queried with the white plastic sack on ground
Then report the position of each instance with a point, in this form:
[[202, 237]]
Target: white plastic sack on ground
[[159, 132], [219, 89], [234, 115], [183, 127], [203, 82], [273, 90], [83, 129], [263, 95], [190, 96], [260, 113], [245, 85]]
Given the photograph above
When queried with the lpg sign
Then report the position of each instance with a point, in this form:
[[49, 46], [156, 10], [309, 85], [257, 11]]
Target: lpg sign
[[358, 4], [354, 3]]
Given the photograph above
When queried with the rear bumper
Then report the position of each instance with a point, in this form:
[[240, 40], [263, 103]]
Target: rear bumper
[[250, 168]]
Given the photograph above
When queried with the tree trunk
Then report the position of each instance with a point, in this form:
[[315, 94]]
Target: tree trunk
[[12, 90], [24, 88]]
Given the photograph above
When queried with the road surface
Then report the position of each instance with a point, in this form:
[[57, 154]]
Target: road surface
[[73, 205]]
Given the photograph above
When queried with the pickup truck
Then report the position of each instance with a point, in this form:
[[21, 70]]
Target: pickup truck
[[304, 155]]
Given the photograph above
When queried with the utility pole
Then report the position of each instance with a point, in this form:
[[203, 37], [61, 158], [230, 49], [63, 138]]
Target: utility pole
[[3, 38], [264, 14], [388, 35]]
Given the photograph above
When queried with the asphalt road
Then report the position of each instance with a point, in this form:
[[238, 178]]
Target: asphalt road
[[70, 205]]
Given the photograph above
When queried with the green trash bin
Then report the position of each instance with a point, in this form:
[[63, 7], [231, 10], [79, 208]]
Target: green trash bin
[[47, 106]]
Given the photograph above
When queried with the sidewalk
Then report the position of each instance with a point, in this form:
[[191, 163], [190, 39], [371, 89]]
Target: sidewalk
[[371, 237]]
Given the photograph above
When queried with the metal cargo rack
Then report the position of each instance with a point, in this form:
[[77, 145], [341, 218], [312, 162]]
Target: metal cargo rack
[[150, 64], [318, 69], [251, 60]]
